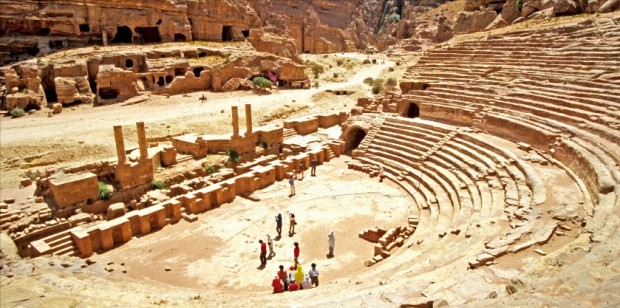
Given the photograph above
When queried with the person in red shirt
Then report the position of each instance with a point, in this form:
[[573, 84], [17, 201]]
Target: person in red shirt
[[263, 253], [284, 277], [277, 285], [293, 286], [296, 252]]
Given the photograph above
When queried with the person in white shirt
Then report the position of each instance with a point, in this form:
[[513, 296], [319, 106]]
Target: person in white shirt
[[331, 241], [270, 245], [306, 284], [314, 275]]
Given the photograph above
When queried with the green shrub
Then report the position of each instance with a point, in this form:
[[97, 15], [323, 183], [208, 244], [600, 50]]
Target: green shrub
[[519, 5], [394, 17], [104, 191], [262, 82], [233, 156], [212, 169], [368, 81], [33, 175], [339, 62], [366, 61], [17, 112], [377, 86], [391, 82], [316, 68], [158, 184]]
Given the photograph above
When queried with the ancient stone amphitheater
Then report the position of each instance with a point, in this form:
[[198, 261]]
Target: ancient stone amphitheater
[[507, 144], [515, 150]]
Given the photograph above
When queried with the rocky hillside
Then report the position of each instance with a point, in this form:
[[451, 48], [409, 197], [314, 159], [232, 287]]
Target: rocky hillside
[[283, 27]]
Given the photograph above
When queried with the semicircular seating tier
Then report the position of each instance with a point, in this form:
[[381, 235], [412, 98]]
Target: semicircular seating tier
[[510, 125]]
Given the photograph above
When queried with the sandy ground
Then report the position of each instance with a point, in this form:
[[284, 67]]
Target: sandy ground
[[221, 249]]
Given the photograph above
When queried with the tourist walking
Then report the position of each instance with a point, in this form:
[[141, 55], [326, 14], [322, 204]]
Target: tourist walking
[[381, 175], [313, 164], [296, 253], [291, 182], [331, 241], [283, 276], [263, 253], [292, 223], [279, 225], [314, 275], [270, 244], [301, 171]]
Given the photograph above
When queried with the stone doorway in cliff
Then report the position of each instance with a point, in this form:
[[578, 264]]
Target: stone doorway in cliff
[[413, 111], [227, 33], [123, 35], [179, 37], [149, 34], [353, 138]]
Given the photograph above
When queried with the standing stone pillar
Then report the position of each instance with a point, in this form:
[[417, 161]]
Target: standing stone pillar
[[142, 140], [248, 119], [104, 37], [235, 121], [120, 144]]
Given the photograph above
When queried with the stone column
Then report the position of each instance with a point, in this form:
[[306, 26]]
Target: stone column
[[104, 37], [248, 119], [235, 121], [142, 140], [120, 144]]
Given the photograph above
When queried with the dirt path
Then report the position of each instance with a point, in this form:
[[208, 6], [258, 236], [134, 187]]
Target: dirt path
[[79, 123], [84, 134]]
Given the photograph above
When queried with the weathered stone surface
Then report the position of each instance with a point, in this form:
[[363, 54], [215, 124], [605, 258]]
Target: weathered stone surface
[[56, 108], [610, 5], [468, 22]]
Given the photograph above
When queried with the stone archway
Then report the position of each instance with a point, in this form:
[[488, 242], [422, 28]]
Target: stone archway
[[123, 35], [179, 37], [413, 111], [353, 137]]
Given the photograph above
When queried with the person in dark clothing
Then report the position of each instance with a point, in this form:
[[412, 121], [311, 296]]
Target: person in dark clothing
[[279, 225], [313, 164], [263, 253], [284, 277]]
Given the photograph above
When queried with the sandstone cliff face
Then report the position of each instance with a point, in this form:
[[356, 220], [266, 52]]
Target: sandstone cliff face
[[29, 28], [481, 15], [107, 75]]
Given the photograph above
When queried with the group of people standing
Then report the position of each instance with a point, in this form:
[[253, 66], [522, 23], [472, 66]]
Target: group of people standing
[[295, 279], [299, 175]]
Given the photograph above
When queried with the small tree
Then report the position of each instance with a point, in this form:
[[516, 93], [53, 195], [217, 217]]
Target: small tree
[[262, 82], [368, 81], [391, 82], [233, 156], [519, 5], [104, 191]]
